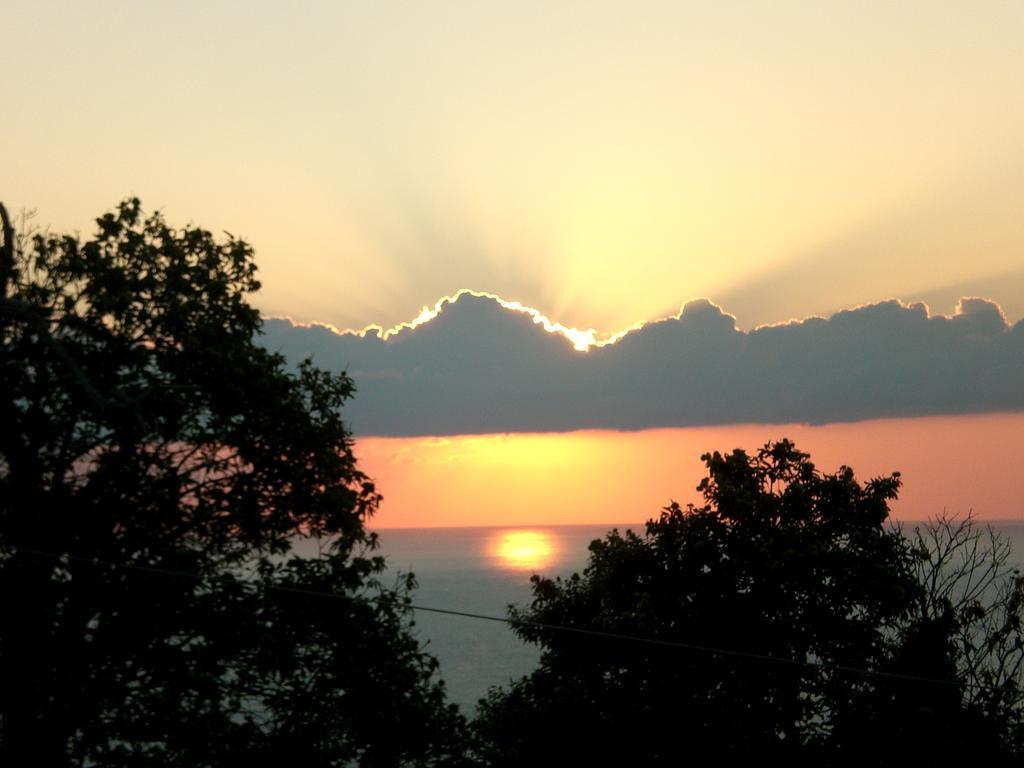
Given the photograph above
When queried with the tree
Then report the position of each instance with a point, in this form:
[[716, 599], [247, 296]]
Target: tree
[[781, 618], [159, 471], [971, 589]]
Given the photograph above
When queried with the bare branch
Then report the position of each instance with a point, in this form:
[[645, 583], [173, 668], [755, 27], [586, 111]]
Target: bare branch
[[968, 577], [6, 252]]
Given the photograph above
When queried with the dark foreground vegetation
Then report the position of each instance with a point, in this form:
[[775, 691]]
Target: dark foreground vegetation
[[159, 468], [790, 621]]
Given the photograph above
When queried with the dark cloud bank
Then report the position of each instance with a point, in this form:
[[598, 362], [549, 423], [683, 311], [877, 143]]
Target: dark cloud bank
[[480, 368]]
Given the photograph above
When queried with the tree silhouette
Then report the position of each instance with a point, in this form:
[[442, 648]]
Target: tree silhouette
[[972, 590], [159, 474], [786, 621]]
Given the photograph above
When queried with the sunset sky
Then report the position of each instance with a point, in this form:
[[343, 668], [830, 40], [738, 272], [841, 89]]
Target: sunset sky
[[956, 465], [603, 163]]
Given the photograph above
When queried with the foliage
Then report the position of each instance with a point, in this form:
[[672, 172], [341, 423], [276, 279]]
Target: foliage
[[786, 619], [160, 474], [970, 587]]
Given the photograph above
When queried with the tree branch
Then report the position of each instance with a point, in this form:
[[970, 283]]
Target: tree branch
[[6, 252]]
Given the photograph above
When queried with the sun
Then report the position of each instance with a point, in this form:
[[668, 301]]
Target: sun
[[522, 550]]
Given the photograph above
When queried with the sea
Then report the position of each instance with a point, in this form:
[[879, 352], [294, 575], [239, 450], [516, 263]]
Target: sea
[[482, 571]]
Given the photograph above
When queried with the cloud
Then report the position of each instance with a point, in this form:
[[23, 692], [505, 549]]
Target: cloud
[[479, 366], [1008, 286], [962, 238]]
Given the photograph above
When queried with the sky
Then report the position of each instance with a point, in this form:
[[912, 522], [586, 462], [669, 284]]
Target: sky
[[602, 162], [956, 465], [673, 176]]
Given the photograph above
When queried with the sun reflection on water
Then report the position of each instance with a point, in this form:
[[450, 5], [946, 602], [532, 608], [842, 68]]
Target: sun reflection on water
[[522, 550]]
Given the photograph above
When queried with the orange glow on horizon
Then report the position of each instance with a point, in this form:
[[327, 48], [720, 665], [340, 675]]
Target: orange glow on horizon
[[952, 463]]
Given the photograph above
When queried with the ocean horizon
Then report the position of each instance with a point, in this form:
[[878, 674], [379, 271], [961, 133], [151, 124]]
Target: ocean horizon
[[482, 570]]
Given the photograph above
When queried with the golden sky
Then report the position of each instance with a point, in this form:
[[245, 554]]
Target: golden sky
[[603, 162], [956, 464]]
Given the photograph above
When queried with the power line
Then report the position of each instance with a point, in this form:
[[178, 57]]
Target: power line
[[653, 641], [700, 648]]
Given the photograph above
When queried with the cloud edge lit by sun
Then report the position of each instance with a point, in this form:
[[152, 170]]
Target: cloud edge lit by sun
[[583, 340]]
